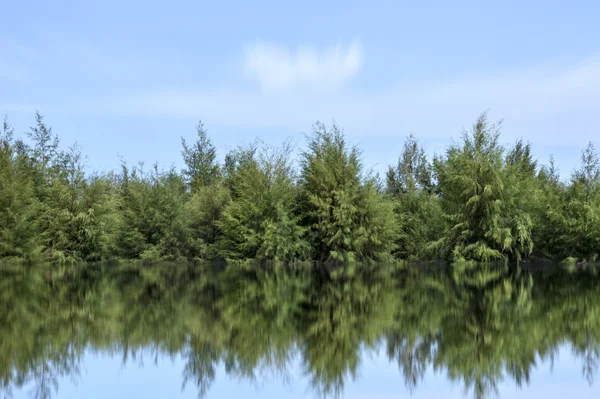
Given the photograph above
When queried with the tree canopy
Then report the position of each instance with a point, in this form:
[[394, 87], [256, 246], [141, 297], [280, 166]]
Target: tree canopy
[[477, 201]]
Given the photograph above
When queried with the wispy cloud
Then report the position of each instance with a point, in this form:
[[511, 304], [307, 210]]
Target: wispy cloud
[[278, 68], [297, 86], [554, 105]]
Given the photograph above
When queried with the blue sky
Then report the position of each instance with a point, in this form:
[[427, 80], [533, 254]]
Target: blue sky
[[130, 78]]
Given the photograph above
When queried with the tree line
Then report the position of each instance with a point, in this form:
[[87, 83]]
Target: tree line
[[478, 201]]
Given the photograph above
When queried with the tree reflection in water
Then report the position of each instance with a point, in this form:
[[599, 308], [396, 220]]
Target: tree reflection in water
[[478, 324]]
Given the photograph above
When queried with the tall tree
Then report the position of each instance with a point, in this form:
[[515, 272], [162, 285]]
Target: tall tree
[[413, 171], [18, 201], [202, 168], [75, 211], [583, 207], [473, 181], [260, 223], [522, 194], [202, 214], [521, 159], [418, 213], [346, 216], [150, 204], [209, 197], [549, 222], [45, 143]]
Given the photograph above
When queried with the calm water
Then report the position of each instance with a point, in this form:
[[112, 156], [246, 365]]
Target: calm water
[[162, 331]]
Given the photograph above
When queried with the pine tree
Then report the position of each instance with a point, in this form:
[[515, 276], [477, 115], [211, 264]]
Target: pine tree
[[522, 196], [200, 160], [583, 207], [521, 159], [413, 173], [151, 226], [45, 144], [549, 222], [417, 209], [347, 218], [202, 214], [259, 222], [18, 202], [484, 222]]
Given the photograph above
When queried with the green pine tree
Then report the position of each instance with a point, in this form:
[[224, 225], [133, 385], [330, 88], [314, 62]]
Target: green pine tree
[[582, 212], [346, 216], [259, 223], [200, 160], [484, 223], [416, 205], [19, 204]]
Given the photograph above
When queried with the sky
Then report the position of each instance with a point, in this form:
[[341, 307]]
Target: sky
[[105, 376], [129, 79]]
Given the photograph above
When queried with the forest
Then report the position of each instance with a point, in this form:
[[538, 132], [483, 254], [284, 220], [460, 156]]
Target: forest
[[478, 201]]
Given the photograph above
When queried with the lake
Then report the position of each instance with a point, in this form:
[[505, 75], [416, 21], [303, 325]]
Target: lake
[[360, 331]]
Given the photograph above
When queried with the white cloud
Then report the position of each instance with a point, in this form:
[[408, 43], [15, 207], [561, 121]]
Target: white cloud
[[548, 104], [277, 68], [552, 106]]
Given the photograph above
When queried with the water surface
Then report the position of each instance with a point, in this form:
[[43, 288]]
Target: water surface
[[100, 331]]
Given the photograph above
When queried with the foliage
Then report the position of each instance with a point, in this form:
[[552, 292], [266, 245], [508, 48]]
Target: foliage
[[479, 201], [150, 226], [485, 221], [478, 324], [346, 216], [202, 214], [18, 201], [200, 160], [259, 223], [548, 232], [417, 207], [582, 212]]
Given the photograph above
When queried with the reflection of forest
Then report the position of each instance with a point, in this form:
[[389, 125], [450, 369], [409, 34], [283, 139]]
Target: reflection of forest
[[479, 325]]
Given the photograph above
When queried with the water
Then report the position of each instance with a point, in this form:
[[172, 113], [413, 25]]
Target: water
[[125, 331]]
